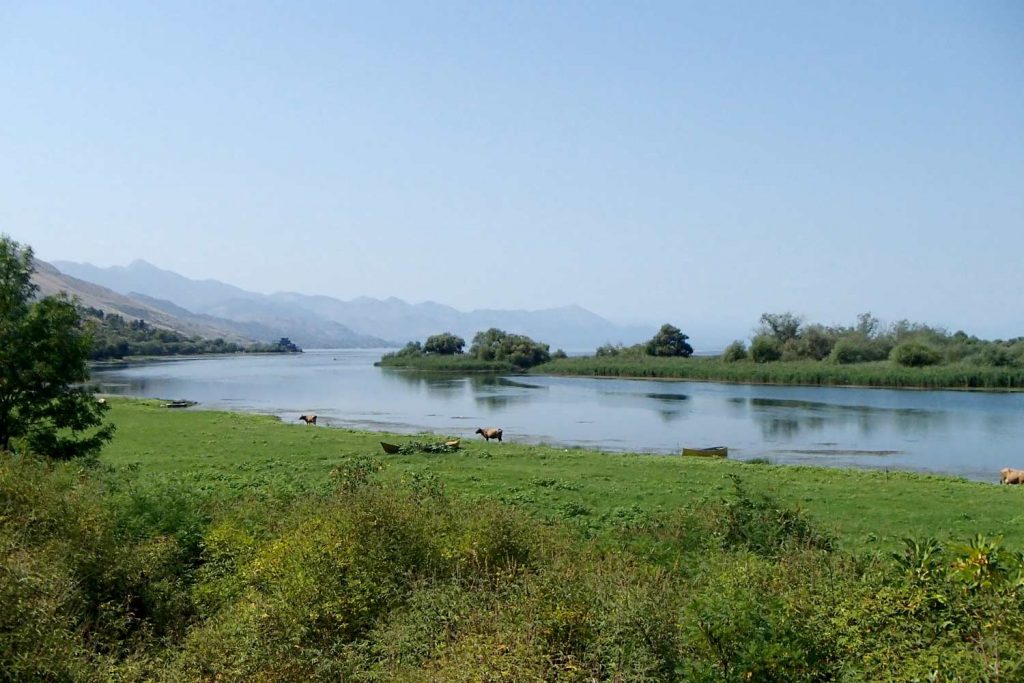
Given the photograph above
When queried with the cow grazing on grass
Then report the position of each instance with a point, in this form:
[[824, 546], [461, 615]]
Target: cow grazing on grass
[[1008, 475], [490, 433], [308, 419]]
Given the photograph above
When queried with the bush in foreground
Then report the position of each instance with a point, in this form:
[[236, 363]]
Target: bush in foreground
[[103, 579]]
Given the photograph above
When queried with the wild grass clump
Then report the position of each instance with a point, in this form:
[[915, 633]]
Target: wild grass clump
[[764, 526]]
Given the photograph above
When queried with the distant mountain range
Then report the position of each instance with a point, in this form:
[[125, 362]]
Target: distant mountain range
[[323, 321], [51, 281]]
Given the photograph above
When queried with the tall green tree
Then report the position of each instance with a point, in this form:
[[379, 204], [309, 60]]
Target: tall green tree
[[518, 349], [446, 344], [669, 341], [44, 351], [782, 326]]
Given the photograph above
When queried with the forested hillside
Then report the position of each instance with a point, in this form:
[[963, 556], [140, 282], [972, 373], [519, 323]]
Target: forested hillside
[[115, 337]]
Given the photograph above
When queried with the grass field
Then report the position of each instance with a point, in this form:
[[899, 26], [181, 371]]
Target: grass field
[[803, 372], [224, 455], [213, 546]]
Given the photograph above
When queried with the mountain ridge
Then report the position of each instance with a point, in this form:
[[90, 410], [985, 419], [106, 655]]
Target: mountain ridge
[[391, 320]]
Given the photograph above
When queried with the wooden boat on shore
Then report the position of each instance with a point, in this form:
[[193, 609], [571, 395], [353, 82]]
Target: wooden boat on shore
[[712, 452], [389, 447], [454, 443], [179, 404]]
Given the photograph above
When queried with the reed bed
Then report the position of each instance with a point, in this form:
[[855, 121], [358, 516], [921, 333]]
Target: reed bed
[[439, 363], [802, 372]]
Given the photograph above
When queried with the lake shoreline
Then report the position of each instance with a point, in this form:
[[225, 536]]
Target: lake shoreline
[[968, 433], [754, 383], [855, 497]]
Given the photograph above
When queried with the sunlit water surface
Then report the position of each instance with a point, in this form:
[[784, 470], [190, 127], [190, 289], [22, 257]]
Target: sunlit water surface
[[971, 434]]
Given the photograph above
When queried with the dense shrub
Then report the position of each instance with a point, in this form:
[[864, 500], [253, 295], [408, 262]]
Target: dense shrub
[[854, 349], [446, 344], [814, 342], [669, 341], [104, 577], [519, 350], [85, 576], [766, 527], [734, 352], [999, 356], [764, 349], [413, 348], [914, 355]]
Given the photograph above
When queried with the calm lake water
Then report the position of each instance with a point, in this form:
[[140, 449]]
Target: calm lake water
[[968, 434]]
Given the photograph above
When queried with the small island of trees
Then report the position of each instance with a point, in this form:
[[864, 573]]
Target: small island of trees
[[492, 350]]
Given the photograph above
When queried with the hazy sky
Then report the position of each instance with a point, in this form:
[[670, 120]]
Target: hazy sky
[[698, 163]]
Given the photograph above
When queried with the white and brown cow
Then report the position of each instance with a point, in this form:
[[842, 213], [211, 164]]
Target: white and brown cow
[[490, 433]]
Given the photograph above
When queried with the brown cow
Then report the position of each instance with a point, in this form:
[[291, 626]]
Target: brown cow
[[308, 419], [1008, 475], [489, 433]]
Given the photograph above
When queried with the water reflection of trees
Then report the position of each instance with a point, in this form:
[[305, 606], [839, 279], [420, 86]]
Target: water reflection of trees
[[668, 397], [498, 393], [490, 391], [668, 415], [497, 402], [487, 381], [122, 386], [785, 419], [669, 407], [788, 428], [437, 385]]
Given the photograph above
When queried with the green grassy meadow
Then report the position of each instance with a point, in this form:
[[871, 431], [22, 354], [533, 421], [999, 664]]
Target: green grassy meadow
[[224, 455]]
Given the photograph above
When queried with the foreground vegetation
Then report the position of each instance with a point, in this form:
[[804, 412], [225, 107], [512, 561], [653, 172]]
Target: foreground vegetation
[[214, 546]]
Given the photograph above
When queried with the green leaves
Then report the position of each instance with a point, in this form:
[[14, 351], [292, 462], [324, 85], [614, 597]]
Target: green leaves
[[520, 350], [44, 351], [669, 341]]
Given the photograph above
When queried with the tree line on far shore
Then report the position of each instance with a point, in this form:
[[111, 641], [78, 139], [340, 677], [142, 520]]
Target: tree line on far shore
[[785, 336], [113, 337], [788, 337]]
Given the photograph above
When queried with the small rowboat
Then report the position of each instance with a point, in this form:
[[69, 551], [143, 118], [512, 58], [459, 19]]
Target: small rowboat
[[713, 452], [389, 447], [179, 404], [454, 443]]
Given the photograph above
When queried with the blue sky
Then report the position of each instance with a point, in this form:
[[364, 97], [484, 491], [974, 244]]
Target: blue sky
[[698, 163]]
